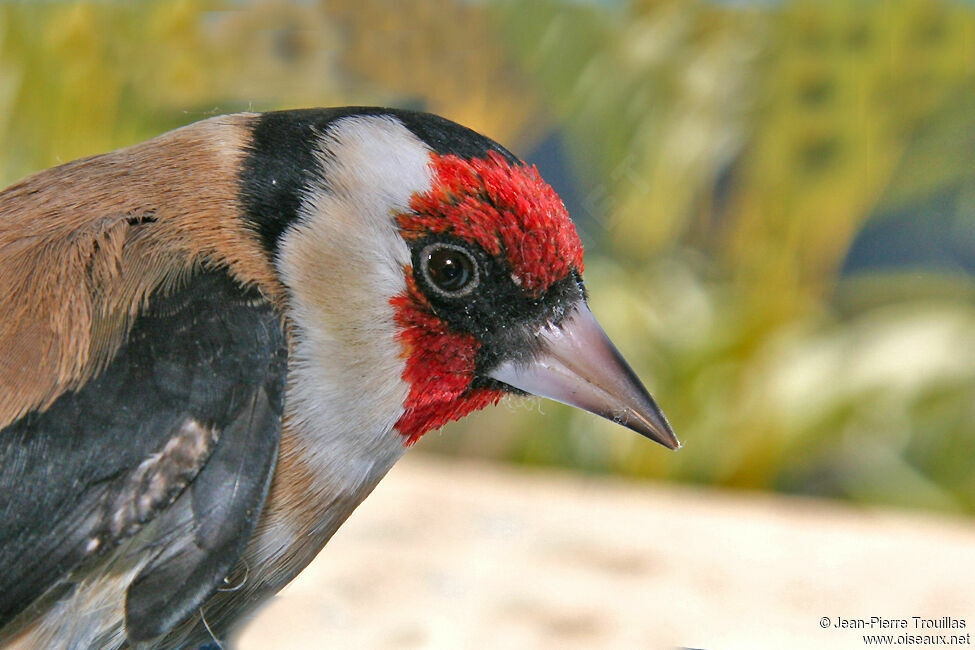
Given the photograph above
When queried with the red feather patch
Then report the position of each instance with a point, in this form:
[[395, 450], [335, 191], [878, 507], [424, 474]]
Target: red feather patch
[[439, 367], [506, 209]]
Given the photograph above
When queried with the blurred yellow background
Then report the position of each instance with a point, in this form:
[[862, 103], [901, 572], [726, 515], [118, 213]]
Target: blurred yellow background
[[776, 198]]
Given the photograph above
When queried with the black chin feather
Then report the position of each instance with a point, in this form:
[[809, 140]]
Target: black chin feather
[[499, 313]]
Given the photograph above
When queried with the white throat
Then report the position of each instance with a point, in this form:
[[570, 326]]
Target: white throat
[[342, 263]]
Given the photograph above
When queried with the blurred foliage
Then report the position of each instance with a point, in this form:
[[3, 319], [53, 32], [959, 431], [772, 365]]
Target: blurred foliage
[[776, 198]]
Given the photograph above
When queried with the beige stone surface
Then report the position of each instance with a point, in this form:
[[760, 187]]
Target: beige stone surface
[[455, 554]]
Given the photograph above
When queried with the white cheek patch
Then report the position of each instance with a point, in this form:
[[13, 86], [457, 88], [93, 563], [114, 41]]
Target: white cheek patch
[[375, 160], [343, 263]]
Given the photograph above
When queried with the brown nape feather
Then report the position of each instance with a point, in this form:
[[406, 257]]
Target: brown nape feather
[[83, 245]]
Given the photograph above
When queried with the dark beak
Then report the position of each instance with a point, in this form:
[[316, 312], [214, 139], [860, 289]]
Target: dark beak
[[578, 365]]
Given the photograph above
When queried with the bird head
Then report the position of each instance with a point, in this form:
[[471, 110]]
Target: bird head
[[495, 302], [477, 266]]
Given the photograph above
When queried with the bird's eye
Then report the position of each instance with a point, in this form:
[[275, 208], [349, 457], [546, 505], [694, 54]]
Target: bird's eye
[[450, 269]]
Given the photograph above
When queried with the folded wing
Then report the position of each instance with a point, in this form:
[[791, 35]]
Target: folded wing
[[175, 439]]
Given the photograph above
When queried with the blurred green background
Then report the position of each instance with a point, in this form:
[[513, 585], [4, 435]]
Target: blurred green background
[[777, 198]]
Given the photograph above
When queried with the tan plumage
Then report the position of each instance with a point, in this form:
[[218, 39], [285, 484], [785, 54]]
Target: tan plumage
[[83, 245]]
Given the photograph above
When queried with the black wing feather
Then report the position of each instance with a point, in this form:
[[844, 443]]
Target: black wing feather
[[212, 521], [195, 395]]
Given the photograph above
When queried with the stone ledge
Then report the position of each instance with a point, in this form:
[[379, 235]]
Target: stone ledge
[[458, 554]]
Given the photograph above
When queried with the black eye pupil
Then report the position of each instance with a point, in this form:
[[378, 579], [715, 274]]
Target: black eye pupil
[[450, 269]]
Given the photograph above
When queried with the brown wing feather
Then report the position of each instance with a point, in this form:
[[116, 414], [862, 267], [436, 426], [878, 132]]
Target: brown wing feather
[[84, 244]]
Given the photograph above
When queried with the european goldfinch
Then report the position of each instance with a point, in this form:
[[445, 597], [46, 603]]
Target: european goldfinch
[[215, 343]]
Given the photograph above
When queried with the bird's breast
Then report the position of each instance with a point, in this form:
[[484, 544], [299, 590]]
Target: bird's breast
[[338, 441]]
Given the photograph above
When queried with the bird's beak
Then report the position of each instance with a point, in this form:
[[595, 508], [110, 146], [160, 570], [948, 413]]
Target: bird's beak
[[578, 365]]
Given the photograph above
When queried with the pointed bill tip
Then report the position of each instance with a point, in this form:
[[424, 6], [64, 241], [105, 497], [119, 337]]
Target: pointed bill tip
[[578, 365], [651, 423]]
